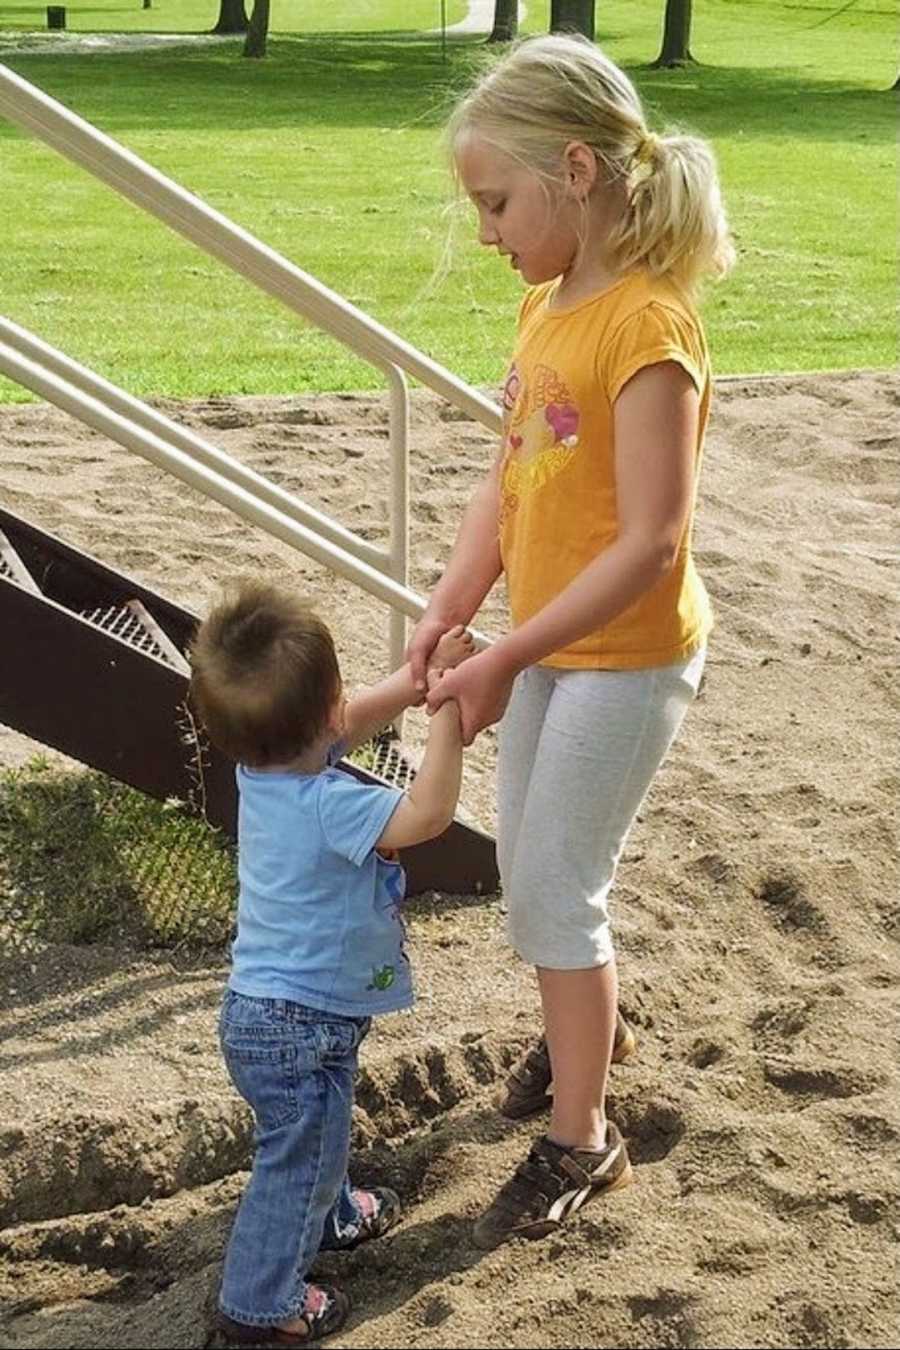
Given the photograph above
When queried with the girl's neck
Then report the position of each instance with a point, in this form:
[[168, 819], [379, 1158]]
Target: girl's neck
[[585, 280], [593, 269]]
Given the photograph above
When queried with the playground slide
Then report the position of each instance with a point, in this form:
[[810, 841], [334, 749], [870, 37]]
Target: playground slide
[[93, 666]]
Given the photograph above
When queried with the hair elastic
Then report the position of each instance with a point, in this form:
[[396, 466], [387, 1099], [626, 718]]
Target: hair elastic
[[648, 150]]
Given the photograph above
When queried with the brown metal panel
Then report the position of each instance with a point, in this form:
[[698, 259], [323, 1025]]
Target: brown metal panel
[[79, 582], [461, 861], [71, 686]]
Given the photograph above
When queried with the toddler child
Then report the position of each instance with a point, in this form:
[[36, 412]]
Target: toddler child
[[320, 942]]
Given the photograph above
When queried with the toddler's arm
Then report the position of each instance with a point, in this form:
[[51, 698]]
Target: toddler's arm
[[451, 649], [430, 801], [373, 708]]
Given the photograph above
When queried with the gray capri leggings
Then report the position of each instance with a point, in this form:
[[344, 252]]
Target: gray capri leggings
[[578, 750]]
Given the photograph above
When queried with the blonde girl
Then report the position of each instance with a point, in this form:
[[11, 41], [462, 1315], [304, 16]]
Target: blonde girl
[[588, 513]]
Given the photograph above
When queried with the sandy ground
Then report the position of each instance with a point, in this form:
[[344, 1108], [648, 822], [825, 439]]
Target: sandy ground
[[757, 922]]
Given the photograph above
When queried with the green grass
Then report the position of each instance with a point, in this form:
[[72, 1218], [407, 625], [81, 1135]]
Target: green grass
[[198, 16], [145, 871], [330, 152]]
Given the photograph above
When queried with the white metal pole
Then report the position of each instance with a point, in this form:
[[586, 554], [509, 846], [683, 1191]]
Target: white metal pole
[[211, 484], [33, 110], [199, 449], [207, 481], [399, 513]]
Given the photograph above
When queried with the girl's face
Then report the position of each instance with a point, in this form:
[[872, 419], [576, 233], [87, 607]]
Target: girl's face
[[531, 223]]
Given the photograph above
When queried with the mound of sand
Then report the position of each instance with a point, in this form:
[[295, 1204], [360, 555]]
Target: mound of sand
[[756, 912]]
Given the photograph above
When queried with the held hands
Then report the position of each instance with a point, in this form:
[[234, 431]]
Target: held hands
[[481, 688], [451, 649], [442, 661], [448, 712], [421, 647]]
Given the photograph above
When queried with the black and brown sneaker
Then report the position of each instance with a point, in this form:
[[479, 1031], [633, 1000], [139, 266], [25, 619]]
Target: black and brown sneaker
[[527, 1088], [550, 1186]]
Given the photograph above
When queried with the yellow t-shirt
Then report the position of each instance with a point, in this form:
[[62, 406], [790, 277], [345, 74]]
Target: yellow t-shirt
[[558, 484]]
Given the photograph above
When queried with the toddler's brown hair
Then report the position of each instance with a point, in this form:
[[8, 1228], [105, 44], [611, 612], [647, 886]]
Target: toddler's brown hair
[[264, 674]]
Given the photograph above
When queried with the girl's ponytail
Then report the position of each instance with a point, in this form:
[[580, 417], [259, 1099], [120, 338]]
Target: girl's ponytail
[[674, 222]]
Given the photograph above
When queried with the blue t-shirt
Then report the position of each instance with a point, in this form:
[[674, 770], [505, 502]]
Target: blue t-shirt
[[318, 912]]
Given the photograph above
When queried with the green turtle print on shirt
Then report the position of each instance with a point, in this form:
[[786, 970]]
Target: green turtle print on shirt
[[383, 978]]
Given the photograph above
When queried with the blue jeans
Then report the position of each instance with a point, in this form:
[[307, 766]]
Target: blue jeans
[[296, 1069]]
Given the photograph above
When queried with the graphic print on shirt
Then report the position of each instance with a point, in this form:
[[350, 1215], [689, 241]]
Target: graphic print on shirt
[[540, 434], [394, 879], [383, 978]]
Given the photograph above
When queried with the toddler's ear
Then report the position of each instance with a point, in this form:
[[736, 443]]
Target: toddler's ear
[[338, 718]]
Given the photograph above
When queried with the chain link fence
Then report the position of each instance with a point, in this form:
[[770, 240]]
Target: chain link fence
[[84, 859]]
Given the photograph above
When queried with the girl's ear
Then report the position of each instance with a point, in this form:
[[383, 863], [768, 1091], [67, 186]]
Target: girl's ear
[[580, 168]]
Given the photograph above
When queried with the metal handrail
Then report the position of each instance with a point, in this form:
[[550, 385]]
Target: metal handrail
[[75, 138], [55, 361], [238, 498], [38, 113]]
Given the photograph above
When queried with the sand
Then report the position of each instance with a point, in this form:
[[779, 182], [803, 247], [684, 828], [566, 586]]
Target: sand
[[756, 913]]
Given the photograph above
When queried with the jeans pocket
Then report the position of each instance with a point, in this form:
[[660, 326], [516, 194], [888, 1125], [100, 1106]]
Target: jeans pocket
[[341, 1038], [266, 1076]]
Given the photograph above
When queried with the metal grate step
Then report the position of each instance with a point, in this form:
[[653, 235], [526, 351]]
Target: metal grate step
[[13, 569], [133, 623], [390, 760], [394, 762]]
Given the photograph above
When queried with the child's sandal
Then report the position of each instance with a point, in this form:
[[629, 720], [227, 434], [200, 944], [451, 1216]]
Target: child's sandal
[[324, 1312], [379, 1209]]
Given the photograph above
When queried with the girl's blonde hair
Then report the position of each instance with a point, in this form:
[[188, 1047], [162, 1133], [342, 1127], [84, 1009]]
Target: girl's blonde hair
[[549, 91]]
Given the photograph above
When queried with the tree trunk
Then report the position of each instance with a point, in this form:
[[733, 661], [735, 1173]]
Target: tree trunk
[[506, 21], [232, 17], [676, 44], [257, 33], [572, 16]]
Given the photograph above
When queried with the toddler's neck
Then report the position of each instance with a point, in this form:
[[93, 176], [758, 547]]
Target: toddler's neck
[[312, 761]]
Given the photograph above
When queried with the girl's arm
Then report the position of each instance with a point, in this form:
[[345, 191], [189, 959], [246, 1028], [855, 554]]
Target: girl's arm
[[656, 419], [473, 568]]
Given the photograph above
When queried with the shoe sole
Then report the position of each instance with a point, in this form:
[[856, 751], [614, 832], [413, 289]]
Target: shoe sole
[[532, 1106], [544, 1227]]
